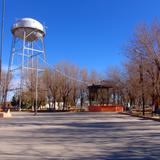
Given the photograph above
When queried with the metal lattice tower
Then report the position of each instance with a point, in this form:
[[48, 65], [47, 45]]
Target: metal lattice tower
[[27, 55]]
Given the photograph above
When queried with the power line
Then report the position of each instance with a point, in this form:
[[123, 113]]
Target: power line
[[65, 75]]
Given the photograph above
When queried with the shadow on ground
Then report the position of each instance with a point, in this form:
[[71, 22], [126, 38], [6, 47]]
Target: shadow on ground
[[79, 136]]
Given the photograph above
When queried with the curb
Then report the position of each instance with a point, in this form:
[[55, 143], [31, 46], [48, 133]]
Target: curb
[[143, 117]]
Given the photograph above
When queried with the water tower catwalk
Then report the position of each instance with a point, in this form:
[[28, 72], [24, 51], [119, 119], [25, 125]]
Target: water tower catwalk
[[27, 55]]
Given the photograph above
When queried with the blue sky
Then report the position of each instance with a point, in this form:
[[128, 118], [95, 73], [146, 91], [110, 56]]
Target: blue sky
[[88, 33]]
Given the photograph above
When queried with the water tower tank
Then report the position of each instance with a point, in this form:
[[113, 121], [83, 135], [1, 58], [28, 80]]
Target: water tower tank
[[33, 29]]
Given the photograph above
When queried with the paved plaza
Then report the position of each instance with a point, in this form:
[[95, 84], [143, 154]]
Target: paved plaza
[[78, 136]]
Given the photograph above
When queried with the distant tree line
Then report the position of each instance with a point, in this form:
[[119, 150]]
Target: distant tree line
[[54, 87]]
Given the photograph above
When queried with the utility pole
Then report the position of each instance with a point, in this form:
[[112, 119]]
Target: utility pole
[[36, 103], [2, 39]]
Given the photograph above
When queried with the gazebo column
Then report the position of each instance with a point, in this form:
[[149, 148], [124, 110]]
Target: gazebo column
[[107, 96]]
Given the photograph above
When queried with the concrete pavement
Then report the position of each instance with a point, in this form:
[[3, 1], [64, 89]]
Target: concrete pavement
[[78, 136]]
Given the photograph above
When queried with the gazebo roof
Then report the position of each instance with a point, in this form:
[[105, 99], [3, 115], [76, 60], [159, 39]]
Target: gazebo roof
[[102, 84]]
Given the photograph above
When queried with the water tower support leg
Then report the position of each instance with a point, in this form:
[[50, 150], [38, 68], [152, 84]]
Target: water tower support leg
[[22, 71], [9, 73]]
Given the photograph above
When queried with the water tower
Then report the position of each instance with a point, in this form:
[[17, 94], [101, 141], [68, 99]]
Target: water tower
[[27, 54]]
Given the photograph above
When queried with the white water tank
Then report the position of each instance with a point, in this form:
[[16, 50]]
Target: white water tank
[[32, 28]]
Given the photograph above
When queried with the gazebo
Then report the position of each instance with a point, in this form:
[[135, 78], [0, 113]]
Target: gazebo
[[105, 96]]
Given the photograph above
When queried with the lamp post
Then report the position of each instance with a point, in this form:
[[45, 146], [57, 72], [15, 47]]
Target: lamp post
[[36, 104]]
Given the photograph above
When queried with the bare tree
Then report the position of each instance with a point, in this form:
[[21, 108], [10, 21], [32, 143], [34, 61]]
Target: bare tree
[[5, 86], [143, 53], [51, 80], [83, 92]]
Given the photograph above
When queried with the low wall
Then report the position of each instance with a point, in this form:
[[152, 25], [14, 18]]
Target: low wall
[[112, 108], [5, 114]]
